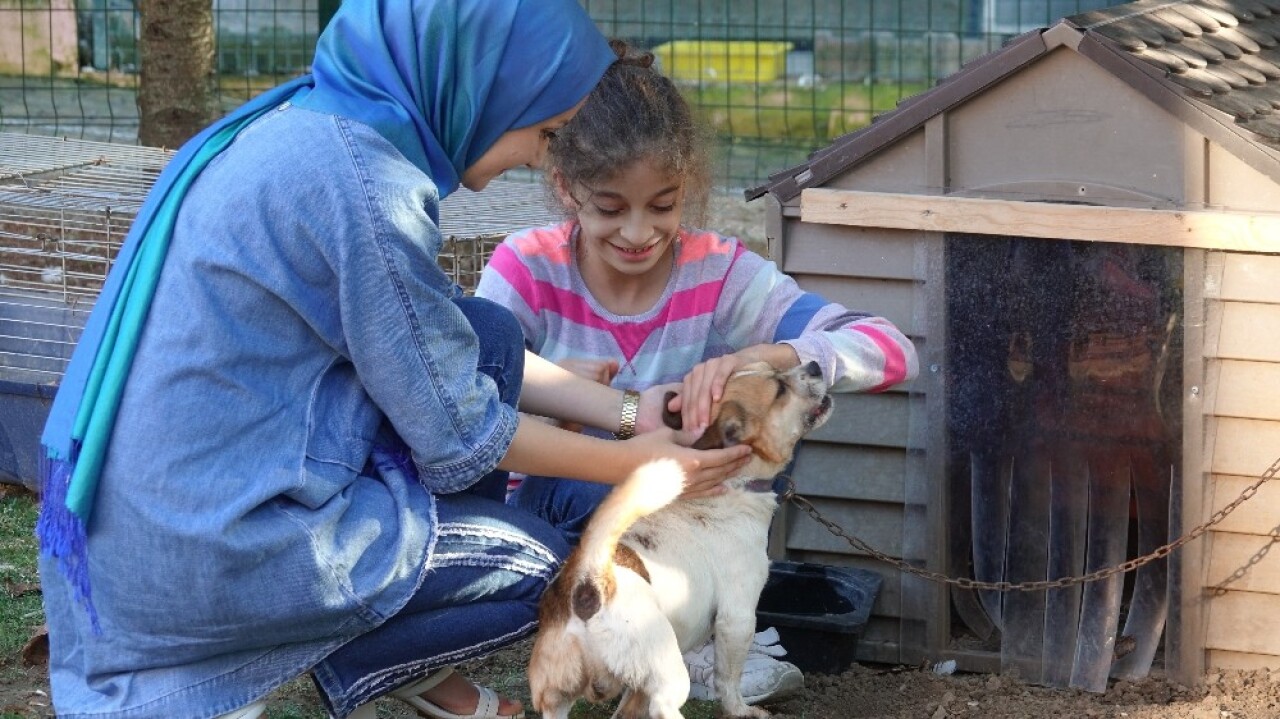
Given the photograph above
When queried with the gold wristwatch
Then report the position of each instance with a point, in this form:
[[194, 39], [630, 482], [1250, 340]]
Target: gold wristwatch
[[630, 408]]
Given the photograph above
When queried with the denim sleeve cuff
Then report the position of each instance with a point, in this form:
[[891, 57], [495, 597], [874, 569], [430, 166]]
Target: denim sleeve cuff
[[481, 460]]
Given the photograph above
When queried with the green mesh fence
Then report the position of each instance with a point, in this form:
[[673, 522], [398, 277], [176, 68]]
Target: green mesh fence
[[776, 79]]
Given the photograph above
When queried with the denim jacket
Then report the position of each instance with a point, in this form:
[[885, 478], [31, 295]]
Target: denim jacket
[[303, 386]]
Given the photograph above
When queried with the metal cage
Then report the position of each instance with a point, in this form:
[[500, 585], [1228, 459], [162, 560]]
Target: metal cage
[[65, 207]]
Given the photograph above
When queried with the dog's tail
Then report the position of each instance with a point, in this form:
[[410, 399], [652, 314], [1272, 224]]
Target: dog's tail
[[648, 489]]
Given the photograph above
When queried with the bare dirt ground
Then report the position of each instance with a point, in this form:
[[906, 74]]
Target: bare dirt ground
[[894, 692], [861, 692]]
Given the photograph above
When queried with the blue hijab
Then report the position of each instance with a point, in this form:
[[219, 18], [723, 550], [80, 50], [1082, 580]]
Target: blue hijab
[[442, 80]]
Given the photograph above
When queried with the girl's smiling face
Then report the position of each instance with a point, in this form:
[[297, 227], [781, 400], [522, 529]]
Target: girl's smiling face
[[629, 224]]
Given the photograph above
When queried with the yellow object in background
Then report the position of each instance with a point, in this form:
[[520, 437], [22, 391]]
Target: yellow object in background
[[723, 60]]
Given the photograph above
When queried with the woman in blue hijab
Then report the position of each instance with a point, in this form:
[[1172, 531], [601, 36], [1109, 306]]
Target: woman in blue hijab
[[278, 446]]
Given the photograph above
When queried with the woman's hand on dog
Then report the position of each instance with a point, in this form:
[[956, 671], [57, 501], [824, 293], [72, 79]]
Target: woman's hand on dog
[[705, 470]]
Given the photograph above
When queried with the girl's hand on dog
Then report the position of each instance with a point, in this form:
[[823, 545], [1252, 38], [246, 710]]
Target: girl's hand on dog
[[704, 469], [703, 386]]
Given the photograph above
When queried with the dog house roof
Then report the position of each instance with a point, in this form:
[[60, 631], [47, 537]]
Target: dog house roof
[[1215, 64]]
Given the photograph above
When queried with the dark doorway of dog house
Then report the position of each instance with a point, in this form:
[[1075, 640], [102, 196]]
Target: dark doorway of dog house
[[1064, 435]]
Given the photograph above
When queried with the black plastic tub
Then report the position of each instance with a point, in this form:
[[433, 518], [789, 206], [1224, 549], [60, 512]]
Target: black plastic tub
[[820, 612]]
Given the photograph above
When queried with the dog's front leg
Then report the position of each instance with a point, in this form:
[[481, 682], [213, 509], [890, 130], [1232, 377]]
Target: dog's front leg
[[734, 631]]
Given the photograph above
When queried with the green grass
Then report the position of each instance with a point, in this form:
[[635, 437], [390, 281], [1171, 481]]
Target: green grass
[[20, 615]]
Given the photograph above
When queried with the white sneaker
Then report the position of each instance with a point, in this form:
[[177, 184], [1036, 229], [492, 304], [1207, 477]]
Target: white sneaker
[[764, 678]]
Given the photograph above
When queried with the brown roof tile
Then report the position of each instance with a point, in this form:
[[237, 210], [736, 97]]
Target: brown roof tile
[[1126, 37], [1169, 60], [1253, 75], [1264, 65], [1227, 14], [1183, 23], [1245, 10], [1270, 94], [1269, 25], [1188, 56], [1257, 32], [1202, 82], [1266, 125], [1167, 31], [1239, 104], [1204, 48], [1233, 35], [1197, 15], [1221, 40]]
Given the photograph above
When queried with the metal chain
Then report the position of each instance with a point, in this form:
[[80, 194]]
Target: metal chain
[[1273, 537], [1038, 585]]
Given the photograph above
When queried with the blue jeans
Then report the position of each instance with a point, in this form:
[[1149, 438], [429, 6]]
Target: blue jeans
[[489, 570], [491, 565], [566, 503], [502, 359]]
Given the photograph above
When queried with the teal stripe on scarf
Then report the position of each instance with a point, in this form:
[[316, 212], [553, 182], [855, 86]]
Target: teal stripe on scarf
[[83, 415], [96, 416]]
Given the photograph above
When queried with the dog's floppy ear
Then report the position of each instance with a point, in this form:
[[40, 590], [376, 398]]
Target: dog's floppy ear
[[727, 430], [669, 418]]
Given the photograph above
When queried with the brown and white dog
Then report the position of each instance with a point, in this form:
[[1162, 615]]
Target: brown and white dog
[[653, 578]]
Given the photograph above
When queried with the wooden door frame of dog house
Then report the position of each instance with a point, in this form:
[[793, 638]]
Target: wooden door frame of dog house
[[1194, 231], [1187, 229]]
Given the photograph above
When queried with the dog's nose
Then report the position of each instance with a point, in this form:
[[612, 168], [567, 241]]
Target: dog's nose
[[812, 369]]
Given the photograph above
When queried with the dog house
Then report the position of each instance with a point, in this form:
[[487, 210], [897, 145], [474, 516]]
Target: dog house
[[1079, 232]]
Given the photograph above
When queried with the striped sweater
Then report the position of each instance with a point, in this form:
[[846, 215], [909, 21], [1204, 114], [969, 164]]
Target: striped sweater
[[721, 298]]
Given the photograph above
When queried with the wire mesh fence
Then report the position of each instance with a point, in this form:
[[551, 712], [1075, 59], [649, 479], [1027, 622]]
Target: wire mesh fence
[[774, 78]]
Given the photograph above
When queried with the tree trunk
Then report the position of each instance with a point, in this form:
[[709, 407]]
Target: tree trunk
[[176, 91]]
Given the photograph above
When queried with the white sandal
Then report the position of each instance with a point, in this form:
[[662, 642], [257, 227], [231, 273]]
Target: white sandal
[[486, 708]]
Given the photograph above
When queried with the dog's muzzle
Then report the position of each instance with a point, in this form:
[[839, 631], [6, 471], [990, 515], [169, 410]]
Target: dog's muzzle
[[819, 412]]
